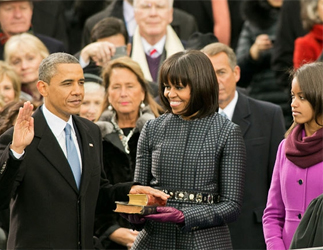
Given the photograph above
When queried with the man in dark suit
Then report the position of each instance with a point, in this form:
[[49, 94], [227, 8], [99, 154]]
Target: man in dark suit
[[184, 24], [53, 198], [15, 18], [262, 127]]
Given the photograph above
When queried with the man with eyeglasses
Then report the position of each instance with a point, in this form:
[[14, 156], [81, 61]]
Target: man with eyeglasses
[[183, 23], [16, 18], [154, 39]]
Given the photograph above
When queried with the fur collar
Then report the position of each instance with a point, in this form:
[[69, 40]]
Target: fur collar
[[107, 127], [259, 13]]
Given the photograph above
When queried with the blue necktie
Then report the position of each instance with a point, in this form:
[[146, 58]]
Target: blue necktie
[[224, 114], [72, 156]]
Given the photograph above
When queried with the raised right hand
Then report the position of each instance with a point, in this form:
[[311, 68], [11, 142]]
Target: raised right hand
[[24, 129]]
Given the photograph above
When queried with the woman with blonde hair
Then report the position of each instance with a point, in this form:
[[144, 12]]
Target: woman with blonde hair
[[126, 108], [25, 53], [9, 83]]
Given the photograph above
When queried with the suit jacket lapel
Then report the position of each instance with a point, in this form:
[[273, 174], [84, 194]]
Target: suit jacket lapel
[[50, 148], [241, 113], [86, 141]]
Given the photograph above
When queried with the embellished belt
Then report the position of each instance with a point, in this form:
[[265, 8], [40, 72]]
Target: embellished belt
[[191, 196]]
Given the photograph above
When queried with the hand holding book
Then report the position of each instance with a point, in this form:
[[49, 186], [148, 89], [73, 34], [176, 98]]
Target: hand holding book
[[152, 192], [167, 214]]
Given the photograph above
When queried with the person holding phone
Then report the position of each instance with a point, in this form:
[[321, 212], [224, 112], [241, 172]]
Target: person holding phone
[[109, 40], [254, 52]]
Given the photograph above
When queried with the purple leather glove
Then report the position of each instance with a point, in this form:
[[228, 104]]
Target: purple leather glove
[[134, 218], [167, 214]]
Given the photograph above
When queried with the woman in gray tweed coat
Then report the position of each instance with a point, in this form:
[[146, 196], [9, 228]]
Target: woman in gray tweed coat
[[195, 155]]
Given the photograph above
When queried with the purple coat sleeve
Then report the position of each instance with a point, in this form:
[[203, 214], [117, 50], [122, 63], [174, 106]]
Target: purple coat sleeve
[[274, 214]]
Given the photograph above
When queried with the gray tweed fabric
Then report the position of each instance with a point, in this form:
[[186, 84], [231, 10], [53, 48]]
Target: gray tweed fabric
[[206, 155]]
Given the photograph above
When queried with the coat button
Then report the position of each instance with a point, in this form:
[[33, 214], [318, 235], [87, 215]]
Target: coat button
[[300, 182], [299, 216]]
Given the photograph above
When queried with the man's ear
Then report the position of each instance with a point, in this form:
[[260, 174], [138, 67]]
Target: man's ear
[[42, 88], [237, 73]]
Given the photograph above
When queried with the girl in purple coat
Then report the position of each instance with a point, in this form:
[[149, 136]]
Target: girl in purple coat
[[298, 173]]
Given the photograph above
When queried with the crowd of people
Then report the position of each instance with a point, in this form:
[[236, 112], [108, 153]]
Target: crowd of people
[[215, 106]]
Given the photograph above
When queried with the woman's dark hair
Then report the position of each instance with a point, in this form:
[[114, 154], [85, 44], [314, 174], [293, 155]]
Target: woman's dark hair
[[194, 69], [310, 80]]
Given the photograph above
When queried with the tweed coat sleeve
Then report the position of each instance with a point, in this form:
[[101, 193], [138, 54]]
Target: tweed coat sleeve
[[229, 171]]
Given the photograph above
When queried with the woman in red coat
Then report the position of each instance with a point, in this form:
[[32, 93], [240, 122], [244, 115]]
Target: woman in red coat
[[309, 47]]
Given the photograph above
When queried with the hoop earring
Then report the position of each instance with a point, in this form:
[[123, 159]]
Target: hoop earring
[[110, 107]]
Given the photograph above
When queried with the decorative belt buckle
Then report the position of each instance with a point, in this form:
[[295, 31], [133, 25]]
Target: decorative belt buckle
[[179, 195], [170, 193], [210, 199], [191, 197], [198, 198]]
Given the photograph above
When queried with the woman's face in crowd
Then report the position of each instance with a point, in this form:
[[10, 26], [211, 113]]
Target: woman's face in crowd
[[178, 97], [6, 89], [26, 64], [125, 92], [302, 110], [92, 105]]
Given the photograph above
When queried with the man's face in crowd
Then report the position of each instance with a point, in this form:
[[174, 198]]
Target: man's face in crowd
[[152, 17], [15, 17], [227, 78]]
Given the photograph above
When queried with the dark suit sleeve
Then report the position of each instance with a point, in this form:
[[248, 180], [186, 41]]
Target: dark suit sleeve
[[9, 168], [277, 135]]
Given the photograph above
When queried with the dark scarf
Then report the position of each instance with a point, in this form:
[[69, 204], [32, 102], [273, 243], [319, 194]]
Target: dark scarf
[[4, 38], [304, 151]]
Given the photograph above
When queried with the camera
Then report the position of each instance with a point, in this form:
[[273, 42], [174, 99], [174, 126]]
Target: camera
[[120, 51]]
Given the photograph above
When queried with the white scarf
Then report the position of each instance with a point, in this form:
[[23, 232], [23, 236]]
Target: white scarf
[[172, 45]]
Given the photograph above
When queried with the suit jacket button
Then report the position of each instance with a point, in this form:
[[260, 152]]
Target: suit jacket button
[[300, 182], [299, 216]]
